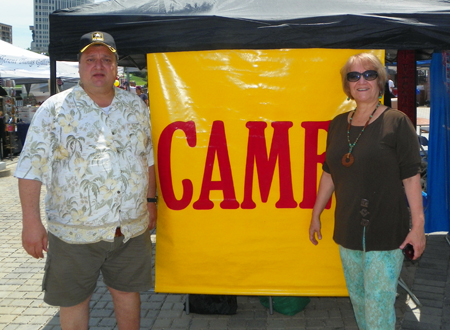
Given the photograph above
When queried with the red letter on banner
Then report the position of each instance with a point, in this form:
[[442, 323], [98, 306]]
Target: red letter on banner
[[217, 145], [257, 156], [311, 160], [164, 169]]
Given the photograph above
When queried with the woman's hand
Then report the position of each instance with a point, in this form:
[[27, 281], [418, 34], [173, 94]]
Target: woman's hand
[[417, 239], [326, 188], [314, 229]]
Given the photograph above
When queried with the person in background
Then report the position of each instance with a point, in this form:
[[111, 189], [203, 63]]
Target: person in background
[[91, 146], [372, 161], [132, 86], [142, 95], [126, 86], [391, 87], [60, 84]]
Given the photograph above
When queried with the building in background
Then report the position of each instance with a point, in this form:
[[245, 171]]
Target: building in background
[[6, 32], [41, 28]]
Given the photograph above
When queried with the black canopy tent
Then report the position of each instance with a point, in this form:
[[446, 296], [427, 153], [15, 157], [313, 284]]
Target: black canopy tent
[[147, 26]]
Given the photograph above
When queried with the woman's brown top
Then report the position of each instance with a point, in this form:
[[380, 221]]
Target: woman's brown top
[[369, 193]]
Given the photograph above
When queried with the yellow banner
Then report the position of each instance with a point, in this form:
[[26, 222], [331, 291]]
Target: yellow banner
[[239, 138]]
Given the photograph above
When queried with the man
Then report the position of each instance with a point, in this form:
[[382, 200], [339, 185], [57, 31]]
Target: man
[[142, 95], [391, 86], [91, 146], [60, 83], [133, 87]]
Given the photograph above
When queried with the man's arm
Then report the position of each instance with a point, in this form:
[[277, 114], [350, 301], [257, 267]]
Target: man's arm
[[34, 234], [151, 193]]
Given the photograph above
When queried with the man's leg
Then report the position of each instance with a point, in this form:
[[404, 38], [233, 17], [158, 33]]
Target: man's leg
[[127, 307], [75, 317]]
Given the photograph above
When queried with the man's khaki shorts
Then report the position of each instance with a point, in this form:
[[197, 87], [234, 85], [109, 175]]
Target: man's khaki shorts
[[72, 270]]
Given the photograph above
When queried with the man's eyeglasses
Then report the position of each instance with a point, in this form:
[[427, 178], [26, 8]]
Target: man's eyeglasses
[[368, 75]]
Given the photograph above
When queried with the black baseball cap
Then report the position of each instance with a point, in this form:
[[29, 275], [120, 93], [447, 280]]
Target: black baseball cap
[[97, 38]]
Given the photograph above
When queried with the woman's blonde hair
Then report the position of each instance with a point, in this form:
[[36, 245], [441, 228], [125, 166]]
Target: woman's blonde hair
[[368, 61]]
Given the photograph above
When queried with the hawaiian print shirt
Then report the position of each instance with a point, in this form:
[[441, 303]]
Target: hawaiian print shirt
[[94, 165]]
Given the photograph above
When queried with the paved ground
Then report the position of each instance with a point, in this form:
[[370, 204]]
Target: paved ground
[[21, 305]]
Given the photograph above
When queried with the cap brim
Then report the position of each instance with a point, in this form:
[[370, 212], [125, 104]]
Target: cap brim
[[112, 49]]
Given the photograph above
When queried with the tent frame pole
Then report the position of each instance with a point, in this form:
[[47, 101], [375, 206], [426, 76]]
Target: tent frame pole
[[52, 75]]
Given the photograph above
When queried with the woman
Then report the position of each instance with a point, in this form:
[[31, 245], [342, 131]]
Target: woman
[[372, 160]]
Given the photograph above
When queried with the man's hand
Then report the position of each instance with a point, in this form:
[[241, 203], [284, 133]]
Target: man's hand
[[34, 239]]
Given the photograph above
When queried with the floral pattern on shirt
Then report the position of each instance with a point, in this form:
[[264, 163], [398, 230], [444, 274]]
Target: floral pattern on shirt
[[95, 165]]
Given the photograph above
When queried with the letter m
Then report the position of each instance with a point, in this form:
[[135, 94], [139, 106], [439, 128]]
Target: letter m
[[265, 166]]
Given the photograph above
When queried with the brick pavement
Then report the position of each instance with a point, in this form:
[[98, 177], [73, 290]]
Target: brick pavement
[[21, 305], [432, 287]]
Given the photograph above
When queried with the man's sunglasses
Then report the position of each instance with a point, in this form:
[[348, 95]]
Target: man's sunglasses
[[368, 75]]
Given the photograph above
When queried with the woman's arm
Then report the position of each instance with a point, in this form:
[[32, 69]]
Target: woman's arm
[[416, 236], [326, 189]]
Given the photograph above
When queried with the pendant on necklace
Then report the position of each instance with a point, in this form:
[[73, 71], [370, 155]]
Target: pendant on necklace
[[348, 160]]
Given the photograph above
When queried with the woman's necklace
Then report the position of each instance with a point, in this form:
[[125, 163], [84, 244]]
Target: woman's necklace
[[348, 158]]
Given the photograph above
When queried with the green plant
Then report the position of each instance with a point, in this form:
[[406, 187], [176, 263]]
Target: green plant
[[139, 80]]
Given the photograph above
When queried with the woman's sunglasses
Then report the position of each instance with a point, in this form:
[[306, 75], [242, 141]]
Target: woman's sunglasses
[[368, 75]]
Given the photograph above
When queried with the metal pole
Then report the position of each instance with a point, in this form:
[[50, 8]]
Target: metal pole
[[52, 76]]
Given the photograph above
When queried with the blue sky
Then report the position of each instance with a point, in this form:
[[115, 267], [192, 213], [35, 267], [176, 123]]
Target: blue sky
[[19, 14]]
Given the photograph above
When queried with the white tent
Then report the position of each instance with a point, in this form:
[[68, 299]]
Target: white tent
[[25, 66]]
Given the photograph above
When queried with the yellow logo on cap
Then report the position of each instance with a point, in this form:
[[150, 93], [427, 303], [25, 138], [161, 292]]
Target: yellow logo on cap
[[97, 36]]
